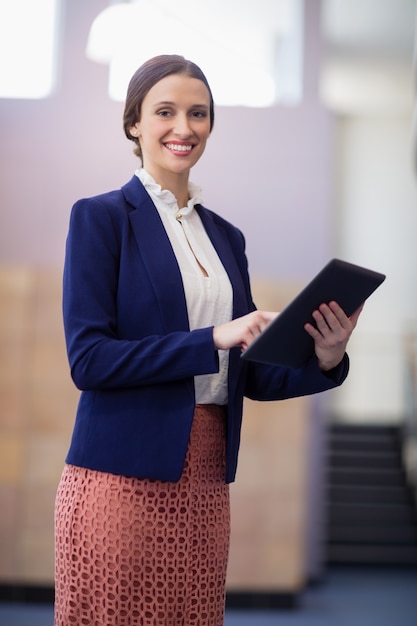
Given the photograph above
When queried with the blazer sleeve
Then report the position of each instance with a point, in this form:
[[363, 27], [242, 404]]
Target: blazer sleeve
[[277, 383], [99, 357]]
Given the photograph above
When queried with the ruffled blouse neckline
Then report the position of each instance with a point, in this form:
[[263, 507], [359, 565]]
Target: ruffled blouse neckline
[[166, 196]]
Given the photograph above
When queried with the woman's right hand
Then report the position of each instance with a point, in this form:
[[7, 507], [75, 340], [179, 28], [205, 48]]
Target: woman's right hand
[[241, 331]]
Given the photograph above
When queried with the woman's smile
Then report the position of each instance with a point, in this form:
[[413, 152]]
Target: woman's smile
[[182, 149]]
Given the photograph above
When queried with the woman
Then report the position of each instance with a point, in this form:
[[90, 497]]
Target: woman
[[157, 308]]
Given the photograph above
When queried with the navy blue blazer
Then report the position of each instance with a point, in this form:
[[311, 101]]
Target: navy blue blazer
[[130, 348]]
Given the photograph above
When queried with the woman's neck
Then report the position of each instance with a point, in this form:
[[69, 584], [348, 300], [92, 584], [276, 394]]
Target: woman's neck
[[175, 183]]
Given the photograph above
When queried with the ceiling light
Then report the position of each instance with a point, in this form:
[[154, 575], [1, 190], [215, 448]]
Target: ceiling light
[[238, 56]]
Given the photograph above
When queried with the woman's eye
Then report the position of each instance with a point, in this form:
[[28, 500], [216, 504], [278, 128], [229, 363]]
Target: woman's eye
[[164, 113], [199, 114]]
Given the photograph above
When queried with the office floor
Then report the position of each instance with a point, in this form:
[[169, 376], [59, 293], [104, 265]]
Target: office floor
[[347, 597]]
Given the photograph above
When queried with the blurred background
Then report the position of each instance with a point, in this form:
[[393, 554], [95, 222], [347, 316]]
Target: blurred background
[[313, 155]]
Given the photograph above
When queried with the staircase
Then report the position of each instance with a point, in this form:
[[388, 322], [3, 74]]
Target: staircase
[[371, 512]]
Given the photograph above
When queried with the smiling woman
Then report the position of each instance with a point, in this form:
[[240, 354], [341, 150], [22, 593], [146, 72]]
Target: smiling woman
[[157, 306], [28, 36]]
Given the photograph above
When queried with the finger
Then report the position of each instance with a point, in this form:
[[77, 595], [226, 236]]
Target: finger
[[335, 315], [313, 332], [267, 317], [331, 332], [344, 320], [337, 319], [323, 319], [262, 319]]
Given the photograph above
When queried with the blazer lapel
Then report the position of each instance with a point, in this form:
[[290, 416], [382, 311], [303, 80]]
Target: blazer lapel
[[221, 242], [158, 256]]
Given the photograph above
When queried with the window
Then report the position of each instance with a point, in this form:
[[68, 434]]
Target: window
[[28, 35]]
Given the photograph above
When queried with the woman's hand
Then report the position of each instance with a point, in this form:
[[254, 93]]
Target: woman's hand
[[241, 331], [332, 334]]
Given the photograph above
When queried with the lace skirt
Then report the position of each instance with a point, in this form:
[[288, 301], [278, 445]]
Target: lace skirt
[[132, 552]]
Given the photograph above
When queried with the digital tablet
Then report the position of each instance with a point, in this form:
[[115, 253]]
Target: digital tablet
[[285, 341]]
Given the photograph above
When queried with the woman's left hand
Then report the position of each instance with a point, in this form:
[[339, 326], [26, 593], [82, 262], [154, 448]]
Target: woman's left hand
[[332, 334]]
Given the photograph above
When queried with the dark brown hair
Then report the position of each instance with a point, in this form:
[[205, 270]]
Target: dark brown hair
[[150, 73]]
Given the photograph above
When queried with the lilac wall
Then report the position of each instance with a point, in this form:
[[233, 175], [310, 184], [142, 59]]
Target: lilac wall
[[267, 170]]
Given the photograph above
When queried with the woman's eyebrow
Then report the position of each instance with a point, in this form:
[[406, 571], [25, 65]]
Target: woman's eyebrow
[[164, 103], [169, 103]]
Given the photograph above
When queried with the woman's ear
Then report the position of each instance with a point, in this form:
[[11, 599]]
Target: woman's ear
[[134, 131]]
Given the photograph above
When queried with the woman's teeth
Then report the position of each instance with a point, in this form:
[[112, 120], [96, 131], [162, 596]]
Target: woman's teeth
[[178, 148]]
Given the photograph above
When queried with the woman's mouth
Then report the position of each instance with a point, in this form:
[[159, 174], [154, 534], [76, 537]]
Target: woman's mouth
[[179, 148]]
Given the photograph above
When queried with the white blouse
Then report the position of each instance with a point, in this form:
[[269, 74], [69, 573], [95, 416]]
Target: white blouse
[[207, 287]]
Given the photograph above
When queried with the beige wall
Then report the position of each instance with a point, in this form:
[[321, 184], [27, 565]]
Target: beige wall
[[269, 499], [37, 404]]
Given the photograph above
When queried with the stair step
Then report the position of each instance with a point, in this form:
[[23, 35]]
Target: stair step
[[370, 513], [383, 460], [375, 555], [364, 494], [366, 443], [369, 476], [394, 534], [364, 430]]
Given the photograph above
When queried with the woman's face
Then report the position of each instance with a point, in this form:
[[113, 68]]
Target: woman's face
[[174, 125]]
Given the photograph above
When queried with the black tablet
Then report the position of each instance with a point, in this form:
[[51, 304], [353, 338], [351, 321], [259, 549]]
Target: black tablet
[[285, 341]]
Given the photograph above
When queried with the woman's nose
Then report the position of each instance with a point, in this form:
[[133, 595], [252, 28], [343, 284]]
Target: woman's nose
[[182, 126]]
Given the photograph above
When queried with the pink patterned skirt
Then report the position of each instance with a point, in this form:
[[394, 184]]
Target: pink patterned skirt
[[132, 552]]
